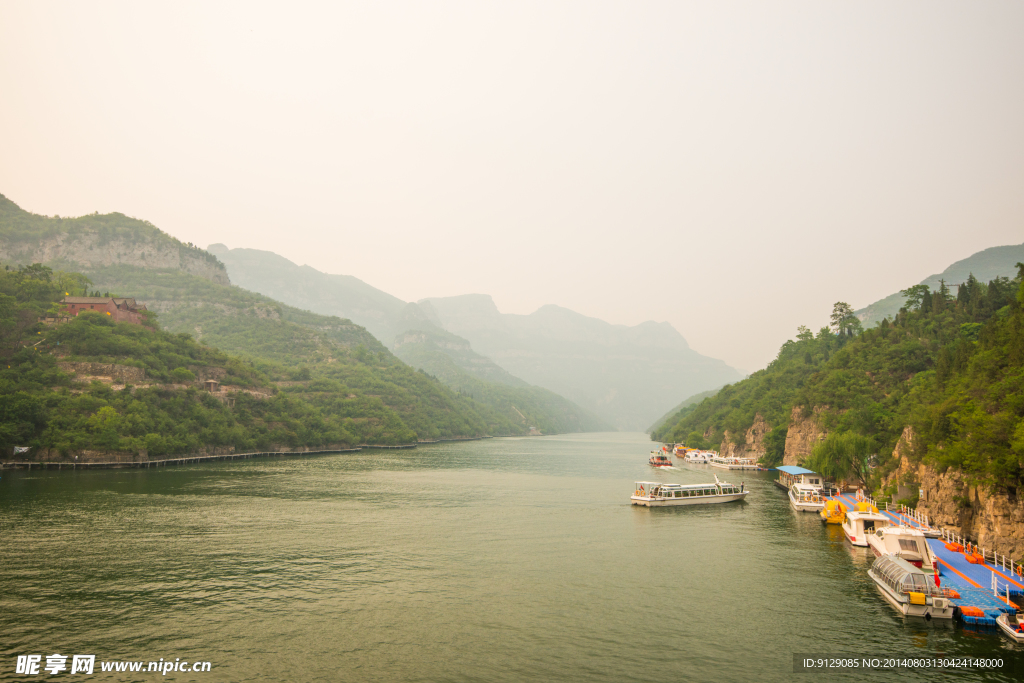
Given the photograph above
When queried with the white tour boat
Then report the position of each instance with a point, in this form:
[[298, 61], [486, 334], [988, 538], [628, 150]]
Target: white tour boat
[[806, 498], [906, 543], [733, 463], [791, 474], [657, 494], [699, 457], [909, 589], [859, 524]]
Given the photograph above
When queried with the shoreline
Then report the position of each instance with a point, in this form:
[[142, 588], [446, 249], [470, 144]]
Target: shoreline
[[193, 459]]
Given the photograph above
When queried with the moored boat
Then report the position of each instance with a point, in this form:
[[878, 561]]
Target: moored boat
[[806, 498], [733, 463], [699, 457], [657, 494], [791, 474], [834, 512], [908, 589], [1012, 626], [906, 543], [859, 524]]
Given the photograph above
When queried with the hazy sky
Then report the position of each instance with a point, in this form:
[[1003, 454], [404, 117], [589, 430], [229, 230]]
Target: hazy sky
[[733, 168]]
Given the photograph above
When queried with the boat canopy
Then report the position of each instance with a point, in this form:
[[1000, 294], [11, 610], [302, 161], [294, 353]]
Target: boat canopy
[[679, 487], [900, 575], [794, 470]]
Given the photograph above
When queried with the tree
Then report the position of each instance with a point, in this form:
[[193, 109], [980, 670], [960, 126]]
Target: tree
[[803, 333], [915, 296], [841, 457], [844, 321]]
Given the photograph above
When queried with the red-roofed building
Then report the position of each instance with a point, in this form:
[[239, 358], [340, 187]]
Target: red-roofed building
[[122, 310]]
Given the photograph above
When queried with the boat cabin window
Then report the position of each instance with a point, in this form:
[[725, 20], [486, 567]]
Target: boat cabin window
[[678, 494], [908, 544], [869, 525]]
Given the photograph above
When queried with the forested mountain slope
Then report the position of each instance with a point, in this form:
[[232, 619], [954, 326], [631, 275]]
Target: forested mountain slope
[[326, 361], [98, 389], [932, 400], [984, 265]]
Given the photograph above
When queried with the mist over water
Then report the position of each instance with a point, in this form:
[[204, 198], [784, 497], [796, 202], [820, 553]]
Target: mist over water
[[496, 560]]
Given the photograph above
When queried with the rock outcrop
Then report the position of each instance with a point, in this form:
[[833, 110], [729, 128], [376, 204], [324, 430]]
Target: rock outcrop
[[803, 434], [991, 518], [104, 371], [87, 250], [753, 445]]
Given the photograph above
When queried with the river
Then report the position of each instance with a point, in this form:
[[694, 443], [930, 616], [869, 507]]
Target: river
[[495, 560]]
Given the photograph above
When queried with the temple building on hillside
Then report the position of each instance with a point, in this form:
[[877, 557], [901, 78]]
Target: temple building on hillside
[[120, 309]]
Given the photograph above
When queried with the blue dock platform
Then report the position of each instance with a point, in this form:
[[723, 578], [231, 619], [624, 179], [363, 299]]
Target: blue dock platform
[[972, 581]]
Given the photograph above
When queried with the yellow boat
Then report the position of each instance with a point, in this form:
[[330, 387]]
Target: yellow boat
[[833, 513]]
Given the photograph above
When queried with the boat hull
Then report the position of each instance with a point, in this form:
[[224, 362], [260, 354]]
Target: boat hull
[[646, 501], [909, 610], [805, 506]]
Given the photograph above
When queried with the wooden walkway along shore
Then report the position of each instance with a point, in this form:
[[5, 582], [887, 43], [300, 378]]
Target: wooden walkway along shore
[[180, 460], [192, 459]]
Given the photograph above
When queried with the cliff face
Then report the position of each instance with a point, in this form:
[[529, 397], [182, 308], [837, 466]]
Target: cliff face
[[753, 446], [803, 434], [89, 250], [992, 519]]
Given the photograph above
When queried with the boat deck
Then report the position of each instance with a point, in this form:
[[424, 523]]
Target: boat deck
[[972, 581]]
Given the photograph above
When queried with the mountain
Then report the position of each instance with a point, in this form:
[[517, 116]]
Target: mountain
[[926, 409], [673, 416], [307, 288], [451, 359], [626, 375], [984, 265], [326, 362]]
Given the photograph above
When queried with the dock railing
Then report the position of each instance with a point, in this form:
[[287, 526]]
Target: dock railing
[[1007, 564]]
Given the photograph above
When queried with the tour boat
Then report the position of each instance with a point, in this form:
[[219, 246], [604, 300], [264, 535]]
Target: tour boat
[[680, 450], [909, 589], [656, 494], [859, 524], [699, 457], [659, 459], [1011, 625], [733, 463], [791, 474], [905, 543], [806, 498]]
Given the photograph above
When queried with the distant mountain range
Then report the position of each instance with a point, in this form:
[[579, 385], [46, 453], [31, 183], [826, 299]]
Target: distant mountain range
[[985, 265], [626, 376], [321, 359]]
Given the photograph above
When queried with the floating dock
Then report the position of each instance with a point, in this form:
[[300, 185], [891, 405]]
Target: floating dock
[[990, 587]]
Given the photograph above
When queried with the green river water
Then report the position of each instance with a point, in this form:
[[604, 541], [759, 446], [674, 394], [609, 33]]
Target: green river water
[[495, 560]]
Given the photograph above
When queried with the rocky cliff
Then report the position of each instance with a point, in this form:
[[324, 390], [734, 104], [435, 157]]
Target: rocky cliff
[[101, 371], [753, 443], [97, 241], [804, 432], [89, 250], [991, 518]]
